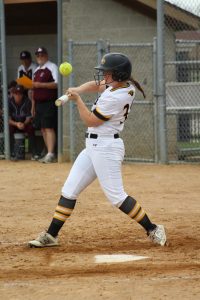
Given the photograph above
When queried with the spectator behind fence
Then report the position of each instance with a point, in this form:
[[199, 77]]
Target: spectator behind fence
[[43, 107], [11, 87], [20, 123], [27, 66]]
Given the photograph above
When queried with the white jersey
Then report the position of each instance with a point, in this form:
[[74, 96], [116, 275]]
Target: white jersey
[[51, 67], [113, 107], [28, 72]]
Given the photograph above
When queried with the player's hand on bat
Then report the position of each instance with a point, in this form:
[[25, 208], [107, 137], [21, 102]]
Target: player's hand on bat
[[71, 90], [72, 94]]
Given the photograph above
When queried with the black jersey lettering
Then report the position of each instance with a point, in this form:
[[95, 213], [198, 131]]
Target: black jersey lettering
[[126, 109]]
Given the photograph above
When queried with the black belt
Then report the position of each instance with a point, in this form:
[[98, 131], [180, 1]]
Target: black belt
[[95, 136]]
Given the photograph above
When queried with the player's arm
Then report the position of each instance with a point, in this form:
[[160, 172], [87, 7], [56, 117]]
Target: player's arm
[[45, 85], [18, 74], [28, 113], [33, 107], [88, 87], [48, 85], [15, 124], [28, 120], [12, 122], [86, 116]]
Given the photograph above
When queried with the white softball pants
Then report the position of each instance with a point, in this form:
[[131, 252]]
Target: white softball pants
[[102, 159]]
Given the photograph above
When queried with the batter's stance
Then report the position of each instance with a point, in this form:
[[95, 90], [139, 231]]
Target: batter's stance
[[104, 152]]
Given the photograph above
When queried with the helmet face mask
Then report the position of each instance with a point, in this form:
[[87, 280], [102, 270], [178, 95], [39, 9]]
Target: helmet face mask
[[116, 64], [101, 75], [98, 77]]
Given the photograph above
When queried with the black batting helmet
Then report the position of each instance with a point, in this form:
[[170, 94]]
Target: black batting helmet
[[118, 64]]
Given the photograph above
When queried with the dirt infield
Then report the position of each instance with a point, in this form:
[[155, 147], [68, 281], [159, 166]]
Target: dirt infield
[[29, 192]]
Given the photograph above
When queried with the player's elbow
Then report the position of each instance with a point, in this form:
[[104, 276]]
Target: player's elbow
[[93, 123]]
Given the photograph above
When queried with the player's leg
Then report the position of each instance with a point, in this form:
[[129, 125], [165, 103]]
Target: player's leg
[[108, 169], [80, 176], [48, 124], [50, 138], [107, 165], [134, 210], [12, 130], [29, 130], [37, 123]]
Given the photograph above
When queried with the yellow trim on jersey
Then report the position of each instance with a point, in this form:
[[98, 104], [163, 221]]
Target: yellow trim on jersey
[[107, 117], [99, 114], [131, 92], [120, 87]]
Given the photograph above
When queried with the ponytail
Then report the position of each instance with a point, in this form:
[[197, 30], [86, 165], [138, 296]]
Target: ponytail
[[138, 86]]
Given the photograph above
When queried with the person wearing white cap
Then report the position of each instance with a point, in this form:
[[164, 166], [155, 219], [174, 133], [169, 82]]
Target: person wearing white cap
[[45, 81]]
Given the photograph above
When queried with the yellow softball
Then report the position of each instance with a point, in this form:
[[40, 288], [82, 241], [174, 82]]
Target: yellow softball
[[65, 69]]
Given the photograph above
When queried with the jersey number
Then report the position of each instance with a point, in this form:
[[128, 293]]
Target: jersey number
[[126, 108]]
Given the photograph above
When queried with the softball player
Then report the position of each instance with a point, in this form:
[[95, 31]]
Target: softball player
[[104, 151]]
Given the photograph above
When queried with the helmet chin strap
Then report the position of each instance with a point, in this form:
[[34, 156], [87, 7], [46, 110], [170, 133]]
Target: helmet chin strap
[[98, 80], [108, 83]]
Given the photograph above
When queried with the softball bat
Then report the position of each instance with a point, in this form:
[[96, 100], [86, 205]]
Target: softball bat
[[62, 100]]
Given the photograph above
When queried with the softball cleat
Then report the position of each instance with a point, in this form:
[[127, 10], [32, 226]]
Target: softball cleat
[[47, 159], [43, 240], [158, 235]]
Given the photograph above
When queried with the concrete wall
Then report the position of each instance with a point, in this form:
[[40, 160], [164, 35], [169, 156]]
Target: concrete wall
[[108, 19]]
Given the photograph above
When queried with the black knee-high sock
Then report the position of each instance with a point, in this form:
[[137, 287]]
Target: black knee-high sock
[[133, 209], [62, 213]]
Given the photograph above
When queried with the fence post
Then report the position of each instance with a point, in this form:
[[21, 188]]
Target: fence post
[[100, 50], [59, 55], [4, 81], [71, 104], [161, 82], [155, 92], [107, 46]]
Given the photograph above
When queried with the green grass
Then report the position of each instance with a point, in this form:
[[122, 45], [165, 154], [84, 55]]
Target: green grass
[[188, 145]]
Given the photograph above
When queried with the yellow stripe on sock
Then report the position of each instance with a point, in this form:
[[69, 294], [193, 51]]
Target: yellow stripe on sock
[[64, 210], [60, 217], [140, 216], [134, 211]]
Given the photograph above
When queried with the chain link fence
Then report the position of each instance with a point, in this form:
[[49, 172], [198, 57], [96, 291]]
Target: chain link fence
[[182, 71], [138, 134], [182, 89], [82, 72], [1, 120]]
